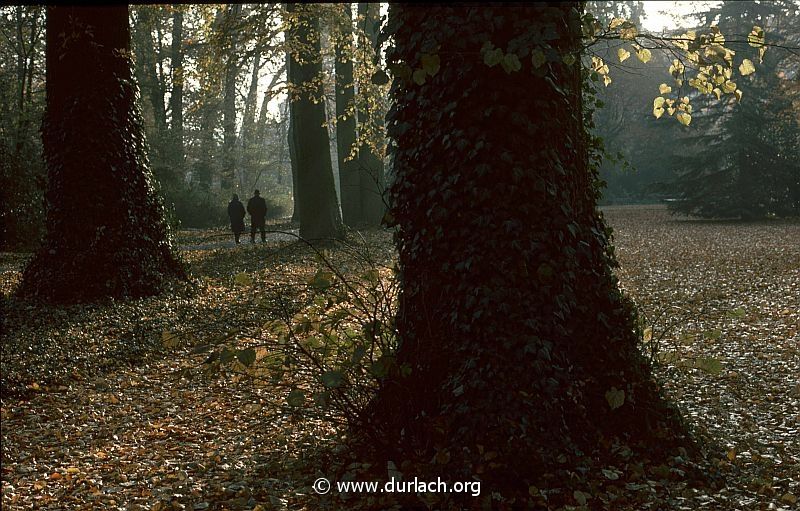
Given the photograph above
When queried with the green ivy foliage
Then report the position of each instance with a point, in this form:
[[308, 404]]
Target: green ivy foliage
[[106, 233], [510, 319]]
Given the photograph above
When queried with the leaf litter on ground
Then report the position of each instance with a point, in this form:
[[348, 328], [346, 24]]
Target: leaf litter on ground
[[103, 405]]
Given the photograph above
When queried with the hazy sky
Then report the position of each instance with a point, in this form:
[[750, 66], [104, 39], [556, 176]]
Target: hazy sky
[[667, 15]]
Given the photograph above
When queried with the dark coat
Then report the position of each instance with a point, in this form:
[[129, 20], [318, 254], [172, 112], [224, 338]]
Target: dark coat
[[257, 207], [236, 214]]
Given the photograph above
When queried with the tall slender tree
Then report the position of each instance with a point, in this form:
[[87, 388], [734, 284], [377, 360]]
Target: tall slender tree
[[176, 97], [106, 234], [231, 36], [349, 182], [518, 353], [372, 182], [316, 193]]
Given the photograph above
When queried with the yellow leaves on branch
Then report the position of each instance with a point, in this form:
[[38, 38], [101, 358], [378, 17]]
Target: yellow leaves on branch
[[623, 54], [747, 67]]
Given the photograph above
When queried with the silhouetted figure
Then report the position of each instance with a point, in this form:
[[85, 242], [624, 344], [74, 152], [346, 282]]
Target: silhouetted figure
[[257, 207], [236, 214]]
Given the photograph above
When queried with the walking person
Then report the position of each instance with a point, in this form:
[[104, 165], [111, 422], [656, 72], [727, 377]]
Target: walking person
[[236, 214], [257, 207]]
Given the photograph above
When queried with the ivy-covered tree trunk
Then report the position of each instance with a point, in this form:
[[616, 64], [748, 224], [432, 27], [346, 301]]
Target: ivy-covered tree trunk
[[349, 184], [371, 176], [316, 193], [106, 234], [518, 354]]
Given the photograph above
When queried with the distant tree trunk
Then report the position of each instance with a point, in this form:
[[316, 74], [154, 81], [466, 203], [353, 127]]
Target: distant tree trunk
[[349, 185], [26, 55], [149, 73], [319, 211], [229, 99], [147, 68], [517, 352], [249, 117], [249, 127], [106, 231], [176, 98], [292, 148], [371, 176]]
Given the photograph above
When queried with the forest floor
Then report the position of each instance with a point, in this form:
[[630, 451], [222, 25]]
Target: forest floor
[[106, 406]]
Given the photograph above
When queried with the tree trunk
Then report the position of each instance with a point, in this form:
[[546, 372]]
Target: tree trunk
[[371, 176], [514, 337], [229, 98], [319, 212], [106, 231], [292, 149], [346, 121], [147, 68], [176, 98]]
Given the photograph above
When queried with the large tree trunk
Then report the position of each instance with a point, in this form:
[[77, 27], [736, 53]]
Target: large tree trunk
[[346, 121], [514, 338], [176, 98], [316, 192], [106, 230], [371, 176]]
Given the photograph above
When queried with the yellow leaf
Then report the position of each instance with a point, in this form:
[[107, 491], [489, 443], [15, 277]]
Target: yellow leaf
[[664, 88], [430, 63], [717, 92], [728, 87], [615, 398], [647, 335], [747, 67], [243, 279], [623, 54], [789, 498], [658, 102], [671, 111], [684, 118], [606, 80], [538, 58], [628, 32], [511, 63], [170, 339], [615, 23], [738, 95], [731, 453], [72, 470], [658, 112], [644, 55]]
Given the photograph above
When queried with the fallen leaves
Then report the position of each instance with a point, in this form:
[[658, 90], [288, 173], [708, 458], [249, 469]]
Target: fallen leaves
[[114, 416]]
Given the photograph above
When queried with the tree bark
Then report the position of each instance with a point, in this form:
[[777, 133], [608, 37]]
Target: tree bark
[[371, 176], [349, 184], [229, 99], [512, 330], [106, 231], [319, 208], [292, 148], [147, 68], [176, 98]]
